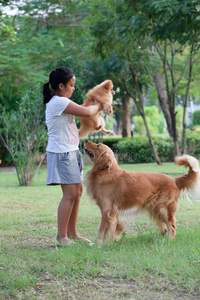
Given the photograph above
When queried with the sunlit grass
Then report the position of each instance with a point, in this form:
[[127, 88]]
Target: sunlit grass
[[143, 265]]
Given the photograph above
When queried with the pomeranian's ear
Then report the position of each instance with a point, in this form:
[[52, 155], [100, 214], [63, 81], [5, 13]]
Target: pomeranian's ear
[[108, 85], [104, 161]]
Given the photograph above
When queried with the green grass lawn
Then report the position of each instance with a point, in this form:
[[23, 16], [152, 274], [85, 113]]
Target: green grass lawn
[[143, 265]]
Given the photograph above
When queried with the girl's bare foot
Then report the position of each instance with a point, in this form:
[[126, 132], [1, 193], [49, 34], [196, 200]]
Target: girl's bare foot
[[63, 241]]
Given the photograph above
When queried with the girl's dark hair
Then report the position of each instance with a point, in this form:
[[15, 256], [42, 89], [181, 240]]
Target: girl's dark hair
[[57, 76]]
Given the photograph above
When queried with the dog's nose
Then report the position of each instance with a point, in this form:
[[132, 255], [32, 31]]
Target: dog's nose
[[86, 141]]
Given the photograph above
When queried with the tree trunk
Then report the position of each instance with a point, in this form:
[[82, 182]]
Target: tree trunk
[[126, 130], [140, 106], [151, 142], [118, 119], [175, 134], [169, 113], [163, 100], [183, 150], [185, 102]]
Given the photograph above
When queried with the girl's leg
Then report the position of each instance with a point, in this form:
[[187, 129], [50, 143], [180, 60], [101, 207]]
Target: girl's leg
[[65, 209], [72, 224], [68, 213], [72, 228]]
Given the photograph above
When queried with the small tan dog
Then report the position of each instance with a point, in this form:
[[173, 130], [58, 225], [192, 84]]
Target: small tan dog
[[102, 93], [121, 194]]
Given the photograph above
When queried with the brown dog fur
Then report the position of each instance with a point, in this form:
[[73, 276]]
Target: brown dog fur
[[120, 193], [102, 93]]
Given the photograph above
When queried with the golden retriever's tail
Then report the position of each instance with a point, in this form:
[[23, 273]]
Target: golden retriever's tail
[[189, 182]]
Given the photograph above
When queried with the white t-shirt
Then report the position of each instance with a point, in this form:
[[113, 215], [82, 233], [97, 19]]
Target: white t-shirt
[[62, 129]]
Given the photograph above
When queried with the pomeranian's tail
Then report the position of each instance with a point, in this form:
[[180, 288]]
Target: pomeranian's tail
[[190, 182]]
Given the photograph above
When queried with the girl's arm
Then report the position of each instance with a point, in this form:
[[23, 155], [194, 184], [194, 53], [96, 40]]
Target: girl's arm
[[82, 111]]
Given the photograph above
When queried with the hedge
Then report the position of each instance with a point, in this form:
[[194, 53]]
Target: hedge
[[137, 149]]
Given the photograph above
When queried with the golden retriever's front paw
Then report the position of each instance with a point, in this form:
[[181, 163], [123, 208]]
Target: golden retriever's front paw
[[99, 242]]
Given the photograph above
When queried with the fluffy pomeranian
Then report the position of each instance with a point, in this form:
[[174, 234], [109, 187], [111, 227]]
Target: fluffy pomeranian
[[102, 93]]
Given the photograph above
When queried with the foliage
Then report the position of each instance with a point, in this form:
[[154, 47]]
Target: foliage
[[109, 122], [196, 117], [139, 125], [6, 32], [155, 120], [137, 150], [44, 41], [174, 20], [23, 134], [130, 63], [193, 144], [93, 38], [172, 30]]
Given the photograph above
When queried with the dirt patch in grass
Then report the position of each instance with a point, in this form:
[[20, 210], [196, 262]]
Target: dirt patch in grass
[[103, 288]]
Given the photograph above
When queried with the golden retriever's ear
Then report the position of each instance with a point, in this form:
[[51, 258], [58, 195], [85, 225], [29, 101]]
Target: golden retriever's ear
[[104, 161]]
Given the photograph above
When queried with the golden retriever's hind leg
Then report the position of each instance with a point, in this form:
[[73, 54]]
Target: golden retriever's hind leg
[[160, 214], [172, 228], [171, 219], [166, 220]]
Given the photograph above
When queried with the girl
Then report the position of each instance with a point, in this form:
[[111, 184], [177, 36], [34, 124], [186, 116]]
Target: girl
[[64, 161]]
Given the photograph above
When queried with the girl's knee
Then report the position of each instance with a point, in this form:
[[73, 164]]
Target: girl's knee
[[72, 193], [80, 190]]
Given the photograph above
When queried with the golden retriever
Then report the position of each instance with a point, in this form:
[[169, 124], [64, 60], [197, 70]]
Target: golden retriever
[[120, 194], [102, 93]]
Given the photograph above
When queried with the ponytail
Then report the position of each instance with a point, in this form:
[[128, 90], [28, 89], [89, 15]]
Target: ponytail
[[57, 76], [47, 93]]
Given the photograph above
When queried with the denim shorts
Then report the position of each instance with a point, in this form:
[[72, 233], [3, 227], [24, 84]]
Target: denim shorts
[[64, 168]]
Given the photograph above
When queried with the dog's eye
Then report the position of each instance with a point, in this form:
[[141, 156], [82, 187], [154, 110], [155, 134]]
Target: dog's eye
[[98, 145]]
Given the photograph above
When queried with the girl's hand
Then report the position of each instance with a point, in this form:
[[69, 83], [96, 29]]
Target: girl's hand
[[95, 102]]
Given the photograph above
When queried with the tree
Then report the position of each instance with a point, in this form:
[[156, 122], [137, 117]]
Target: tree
[[172, 29], [174, 74], [23, 134], [129, 62], [40, 46], [168, 29]]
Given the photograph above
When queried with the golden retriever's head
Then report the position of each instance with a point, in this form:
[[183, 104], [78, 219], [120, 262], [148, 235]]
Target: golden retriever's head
[[100, 154]]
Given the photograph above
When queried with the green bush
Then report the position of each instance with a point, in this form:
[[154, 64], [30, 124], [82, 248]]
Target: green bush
[[134, 150], [154, 118], [23, 134], [137, 150], [98, 138], [193, 144], [5, 156], [196, 117]]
